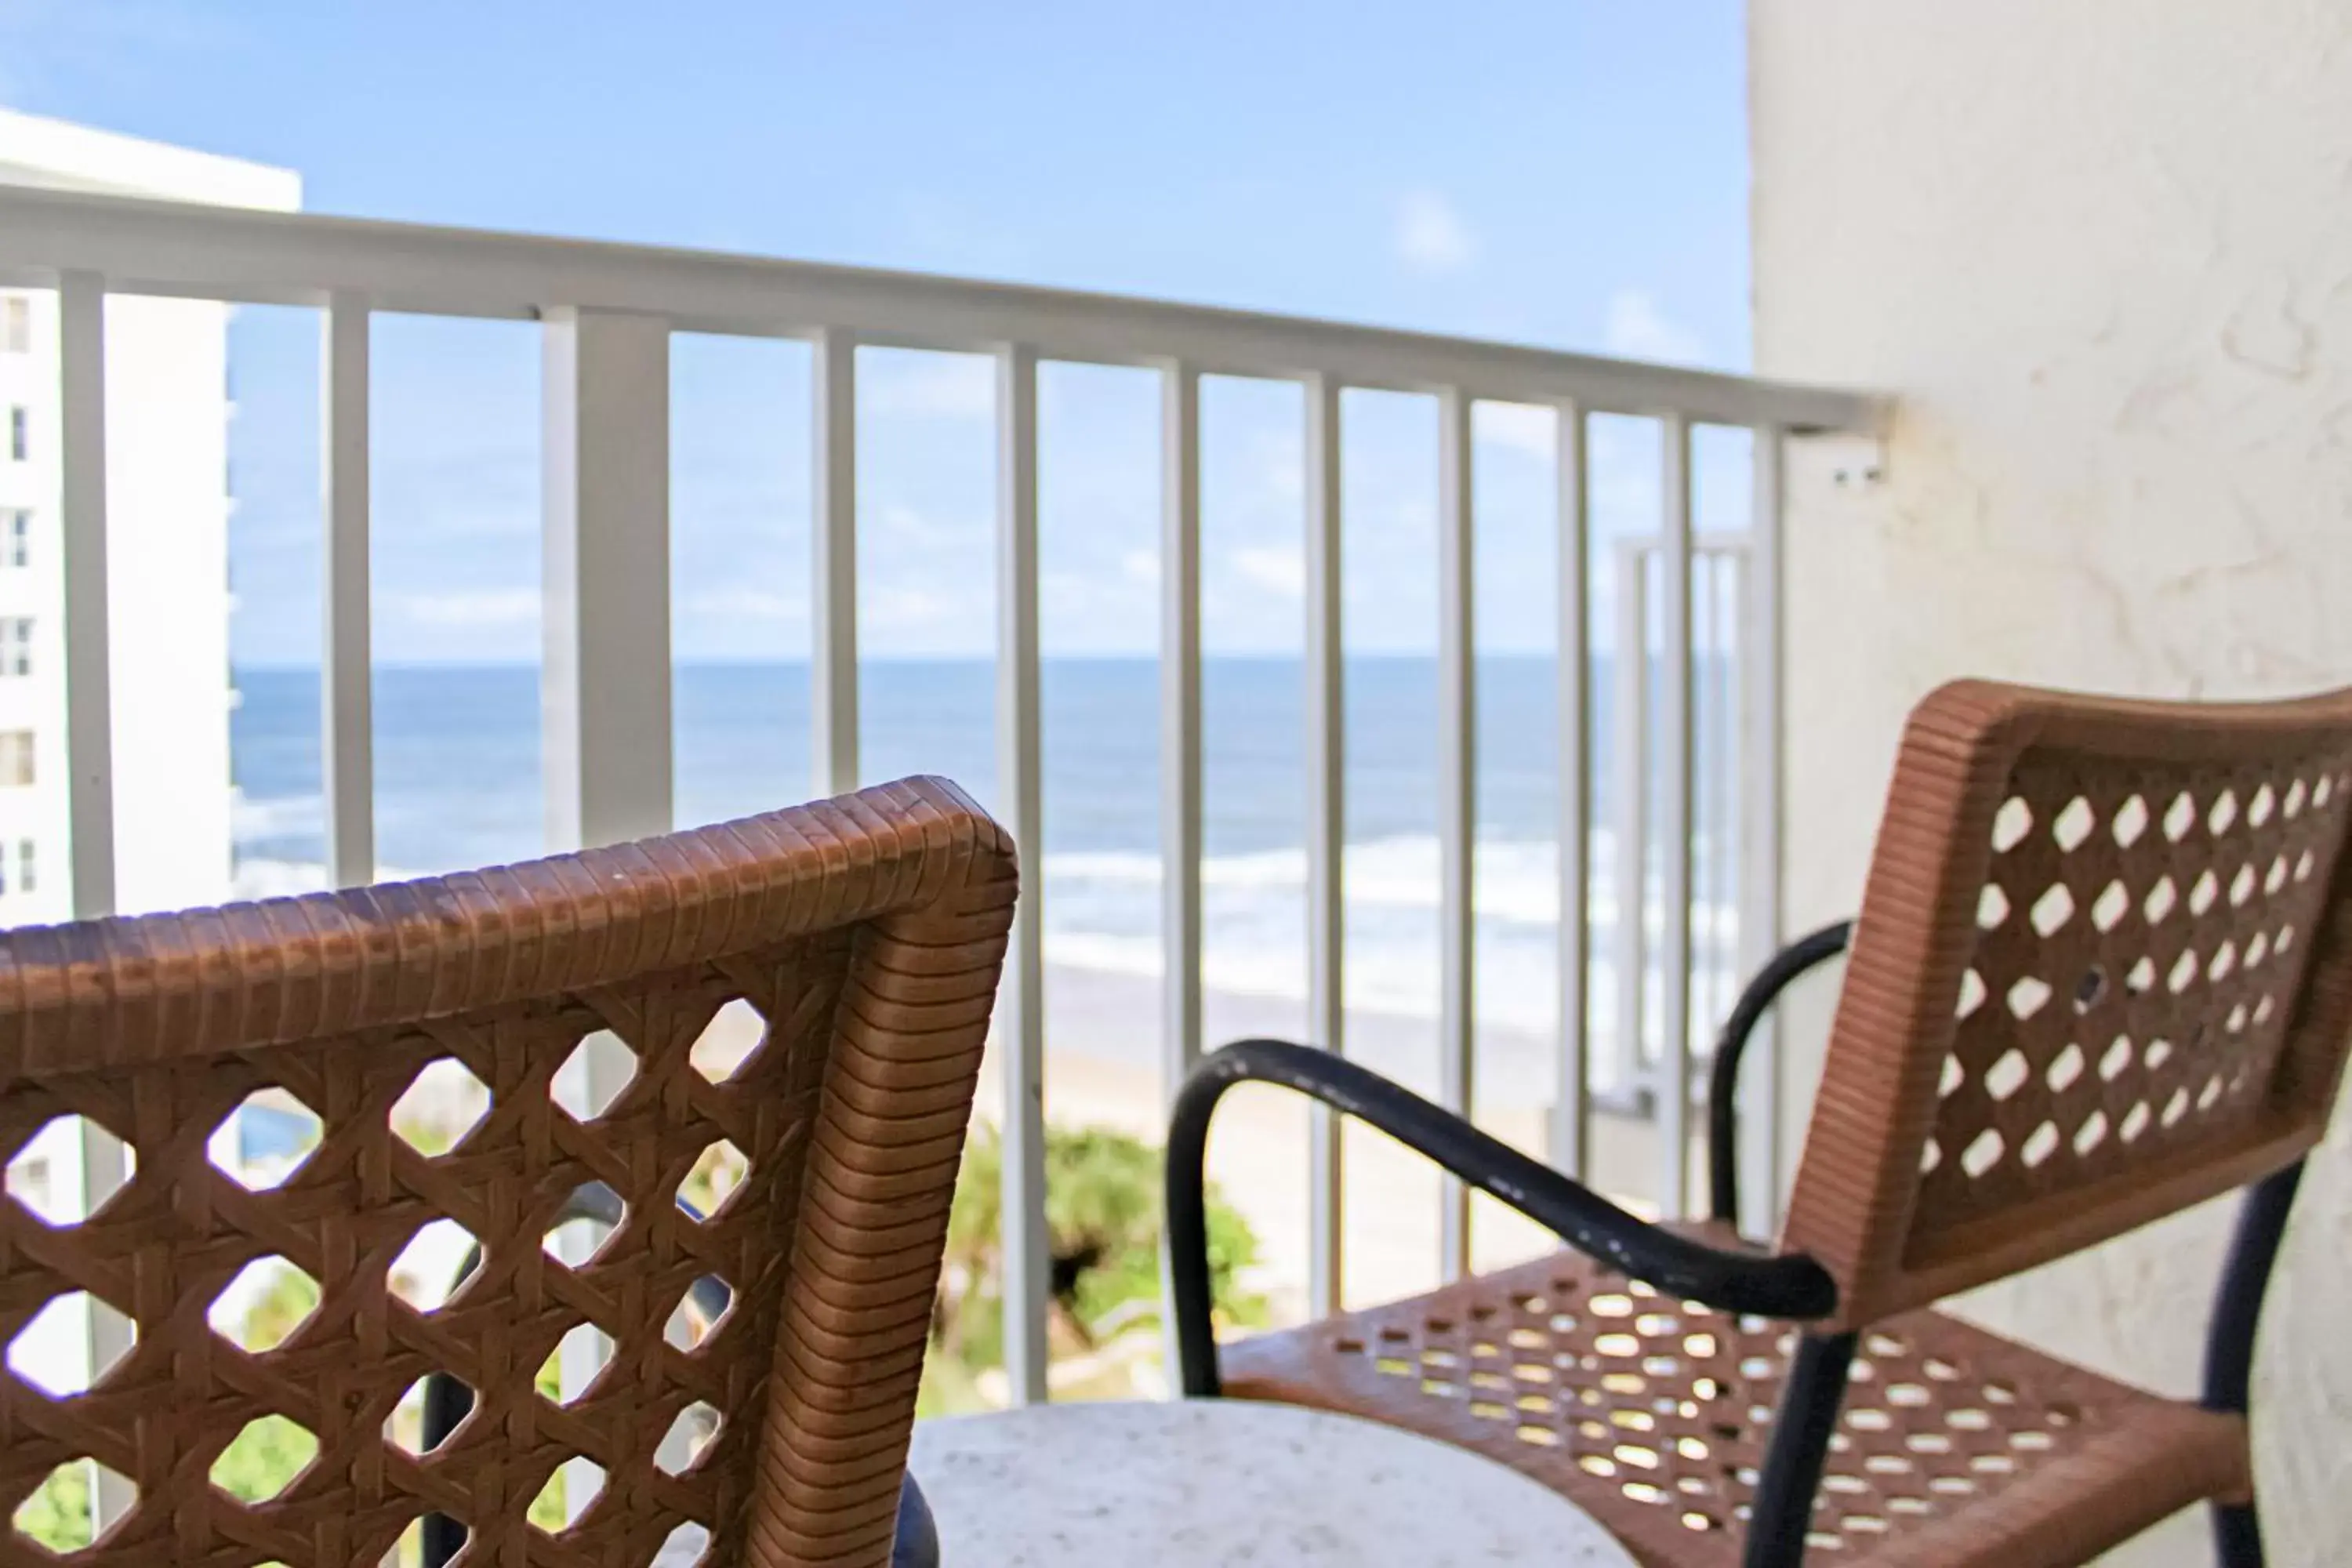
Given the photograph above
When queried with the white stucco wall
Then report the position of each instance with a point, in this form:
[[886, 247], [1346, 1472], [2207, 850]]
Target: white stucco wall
[[2102, 250]]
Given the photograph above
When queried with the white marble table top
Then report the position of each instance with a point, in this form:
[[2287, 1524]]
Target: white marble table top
[[1212, 1482]]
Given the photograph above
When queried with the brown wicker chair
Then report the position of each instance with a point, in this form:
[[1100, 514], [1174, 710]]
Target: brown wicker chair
[[865, 932], [2103, 971]]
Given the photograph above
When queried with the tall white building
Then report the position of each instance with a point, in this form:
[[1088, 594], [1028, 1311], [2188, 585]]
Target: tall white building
[[168, 411]]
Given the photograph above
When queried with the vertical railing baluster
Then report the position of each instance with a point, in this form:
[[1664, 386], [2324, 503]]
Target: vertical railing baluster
[[1180, 739], [832, 576], [346, 728], [1705, 717], [1674, 826], [89, 732], [1021, 1037], [1759, 878], [1458, 747], [89, 744], [1629, 749], [1723, 837], [1729, 570], [1180, 724], [605, 680], [1572, 1122], [1327, 769]]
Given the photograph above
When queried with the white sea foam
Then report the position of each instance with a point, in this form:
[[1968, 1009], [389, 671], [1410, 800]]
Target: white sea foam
[[278, 816], [1515, 881], [1102, 912]]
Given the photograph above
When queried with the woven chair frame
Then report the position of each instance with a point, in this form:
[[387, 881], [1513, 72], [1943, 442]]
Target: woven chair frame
[[867, 933], [2103, 971]]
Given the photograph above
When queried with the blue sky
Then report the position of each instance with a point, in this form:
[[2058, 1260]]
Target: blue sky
[[1566, 173]]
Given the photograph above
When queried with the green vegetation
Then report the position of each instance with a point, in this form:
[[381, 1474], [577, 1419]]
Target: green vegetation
[[1102, 1215], [263, 1460], [430, 1139], [57, 1514], [292, 1297], [1102, 1219], [547, 1507]]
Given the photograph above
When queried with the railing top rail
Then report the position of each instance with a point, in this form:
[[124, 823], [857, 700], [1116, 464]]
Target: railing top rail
[[300, 259]]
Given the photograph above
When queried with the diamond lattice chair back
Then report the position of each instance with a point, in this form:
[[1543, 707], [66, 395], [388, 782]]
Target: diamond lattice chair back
[[766, 1415], [2103, 971]]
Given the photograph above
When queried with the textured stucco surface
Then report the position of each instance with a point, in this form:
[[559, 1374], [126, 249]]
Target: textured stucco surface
[[2102, 250]]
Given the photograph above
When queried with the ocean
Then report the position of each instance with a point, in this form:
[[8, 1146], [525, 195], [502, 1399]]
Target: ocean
[[458, 785]]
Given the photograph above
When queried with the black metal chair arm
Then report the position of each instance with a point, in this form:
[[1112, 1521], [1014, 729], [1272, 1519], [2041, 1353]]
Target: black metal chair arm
[[1807, 952], [1793, 1287]]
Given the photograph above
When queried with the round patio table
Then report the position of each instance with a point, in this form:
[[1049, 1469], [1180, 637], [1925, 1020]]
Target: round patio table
[[1209, 1482]]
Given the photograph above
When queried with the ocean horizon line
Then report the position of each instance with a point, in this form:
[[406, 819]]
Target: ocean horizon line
[[272, 666]]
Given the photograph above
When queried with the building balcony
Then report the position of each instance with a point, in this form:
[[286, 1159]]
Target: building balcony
[[1526, 879], [1417, 924]]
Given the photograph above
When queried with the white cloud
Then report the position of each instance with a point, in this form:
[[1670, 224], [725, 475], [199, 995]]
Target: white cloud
[[747, 605], [1277, 570], [1087, 611], [1431, 235], [1281, 468], [1521, 426], [929, 386], [909, 609], [1140, 566], [905, 522], [471, 607], [1638, 329]]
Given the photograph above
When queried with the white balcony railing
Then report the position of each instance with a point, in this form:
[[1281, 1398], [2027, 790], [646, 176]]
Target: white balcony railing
[[607, 314]]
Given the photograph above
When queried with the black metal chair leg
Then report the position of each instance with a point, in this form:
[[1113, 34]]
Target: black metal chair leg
[[2237, 1536], [2230, 1340], [1782, 1509]]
